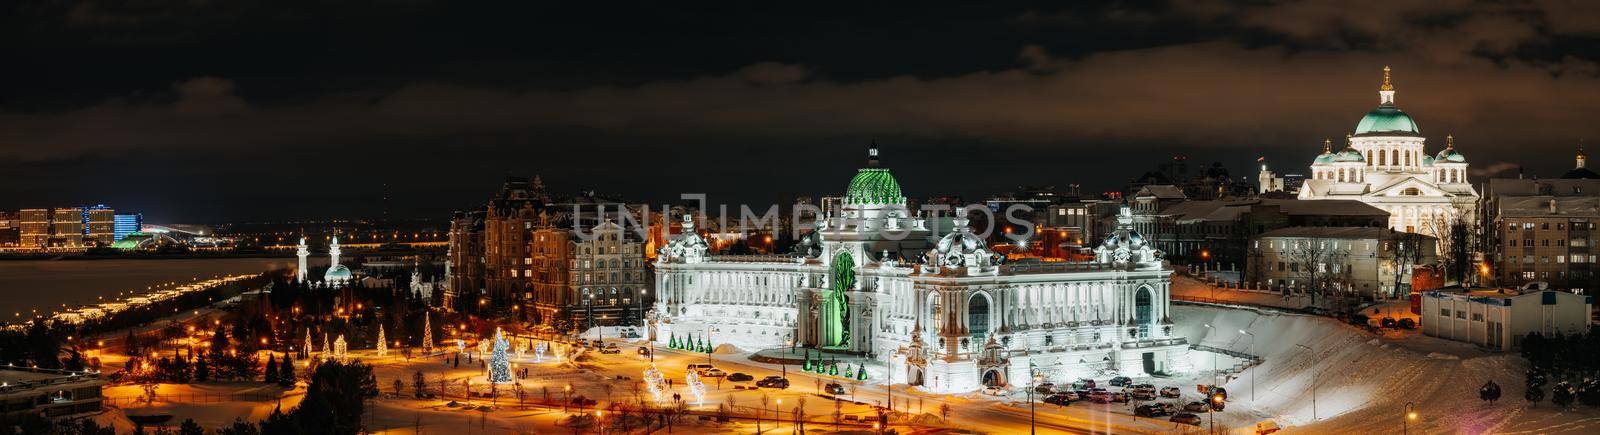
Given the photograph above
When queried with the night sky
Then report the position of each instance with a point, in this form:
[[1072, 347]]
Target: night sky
[[210, 111]]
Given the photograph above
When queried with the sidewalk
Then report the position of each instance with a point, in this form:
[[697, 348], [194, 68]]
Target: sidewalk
[[1190, 289]]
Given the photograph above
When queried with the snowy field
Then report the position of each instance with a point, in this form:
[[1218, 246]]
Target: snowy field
[[1363, 382]]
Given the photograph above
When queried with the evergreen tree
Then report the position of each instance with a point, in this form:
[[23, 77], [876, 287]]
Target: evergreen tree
[[202, 369], [270, 375], [1561, 394], [286, 372], [219, 341], [499, 366], [189, 427], [1534, 395]]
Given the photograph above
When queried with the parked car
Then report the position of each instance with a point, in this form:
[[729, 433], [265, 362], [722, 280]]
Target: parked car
[[993, 391], [1186, 418], [1171, 392], [774, 381], [1171, 408], [1120, 381], [1268, 426], [1071, 396], [1195, 406], [1100, 397], [581, 401], [1045, 388], [1119, 397], [610, 348], [698, 368], [1142, 395], [713, 373], [834, 388], [739, 377], [1151, 411], [1058, 400]]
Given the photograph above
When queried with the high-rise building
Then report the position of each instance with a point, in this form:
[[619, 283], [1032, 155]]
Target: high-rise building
[[10, 235], [34, 227], [125, 224], [99, 225], [67, 227]]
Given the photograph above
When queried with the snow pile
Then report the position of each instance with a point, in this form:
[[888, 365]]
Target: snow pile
[[1362, 386], [727, 349]]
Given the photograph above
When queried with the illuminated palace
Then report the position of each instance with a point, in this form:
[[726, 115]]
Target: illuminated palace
[[938, 311], [1384, 164]]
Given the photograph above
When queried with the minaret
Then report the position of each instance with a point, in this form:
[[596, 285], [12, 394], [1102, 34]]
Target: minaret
[[302, 252], [333, 252], [872, 155], [1386, 92]]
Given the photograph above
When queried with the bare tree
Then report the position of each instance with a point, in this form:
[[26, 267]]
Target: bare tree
[[1313, 262], [838, 413], [1405, 252], [1457, 231], [638, 388], [764, 400]]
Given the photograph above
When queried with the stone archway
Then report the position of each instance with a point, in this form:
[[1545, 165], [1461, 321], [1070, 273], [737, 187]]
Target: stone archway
[[993, 378]]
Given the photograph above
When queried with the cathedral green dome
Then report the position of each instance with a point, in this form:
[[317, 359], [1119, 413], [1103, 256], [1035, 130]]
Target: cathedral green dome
[[1387, 119], [874, 186]]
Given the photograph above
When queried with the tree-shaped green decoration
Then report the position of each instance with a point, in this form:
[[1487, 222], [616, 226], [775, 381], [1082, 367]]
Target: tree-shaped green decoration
[[861, 374], [807, 366], [833, 369], [672, 341]]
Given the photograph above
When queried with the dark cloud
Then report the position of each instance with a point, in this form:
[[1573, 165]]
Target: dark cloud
[[1221, 80]]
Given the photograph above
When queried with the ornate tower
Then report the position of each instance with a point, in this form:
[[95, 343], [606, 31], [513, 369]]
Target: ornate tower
[[302, 252], [333, 251]]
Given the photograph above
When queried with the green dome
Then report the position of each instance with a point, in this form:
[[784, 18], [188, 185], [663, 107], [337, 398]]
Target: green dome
[[1325, 157], [1349, 155], [1387, 119], [873, 186], [1449, 155]]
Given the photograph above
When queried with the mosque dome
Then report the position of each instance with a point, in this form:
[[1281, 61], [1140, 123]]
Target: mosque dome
[[874, 186], [337, 274]]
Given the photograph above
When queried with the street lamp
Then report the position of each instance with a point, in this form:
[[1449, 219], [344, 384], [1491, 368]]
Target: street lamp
[[1033, 381], [1313, 383], [1411, 415], [1247, 349]]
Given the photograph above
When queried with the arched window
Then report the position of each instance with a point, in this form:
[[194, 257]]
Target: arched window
[[1394, 156], [1411, 191]]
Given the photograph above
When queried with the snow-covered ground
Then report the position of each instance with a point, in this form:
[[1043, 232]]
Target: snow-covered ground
[[1363, 382], [1362, 385]]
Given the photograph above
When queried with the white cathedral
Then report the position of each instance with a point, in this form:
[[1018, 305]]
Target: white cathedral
[[337, 275], [1384, 163], [939, 311]]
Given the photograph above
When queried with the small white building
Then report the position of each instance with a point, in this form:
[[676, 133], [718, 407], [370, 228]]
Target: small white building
[[1499, 319]]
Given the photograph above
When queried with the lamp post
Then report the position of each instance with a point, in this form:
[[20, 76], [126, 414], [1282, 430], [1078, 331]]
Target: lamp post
[[1213, 359], [1313, 383], [1033, 381], [1249, 348], [1411, 414]]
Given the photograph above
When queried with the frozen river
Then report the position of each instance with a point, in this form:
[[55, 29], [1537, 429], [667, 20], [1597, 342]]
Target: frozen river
[[45, 285]]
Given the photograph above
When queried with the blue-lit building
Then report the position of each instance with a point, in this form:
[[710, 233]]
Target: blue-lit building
[[125, 224]]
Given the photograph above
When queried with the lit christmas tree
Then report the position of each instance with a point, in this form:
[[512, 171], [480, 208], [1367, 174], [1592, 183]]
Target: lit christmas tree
[[427, 333], [383, 348], [861, 374], [499, 366], [807, 366], [672, 341], [339, 348], [325, 347], [309, 345]]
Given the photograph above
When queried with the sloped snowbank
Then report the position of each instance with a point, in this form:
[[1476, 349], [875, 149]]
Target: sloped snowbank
[[1363, 382]]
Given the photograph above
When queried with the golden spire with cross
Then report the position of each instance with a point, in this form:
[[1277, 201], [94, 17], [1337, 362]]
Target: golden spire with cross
[[1349, 141], [1387, 84], [1449, 142], [1327, 146]]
